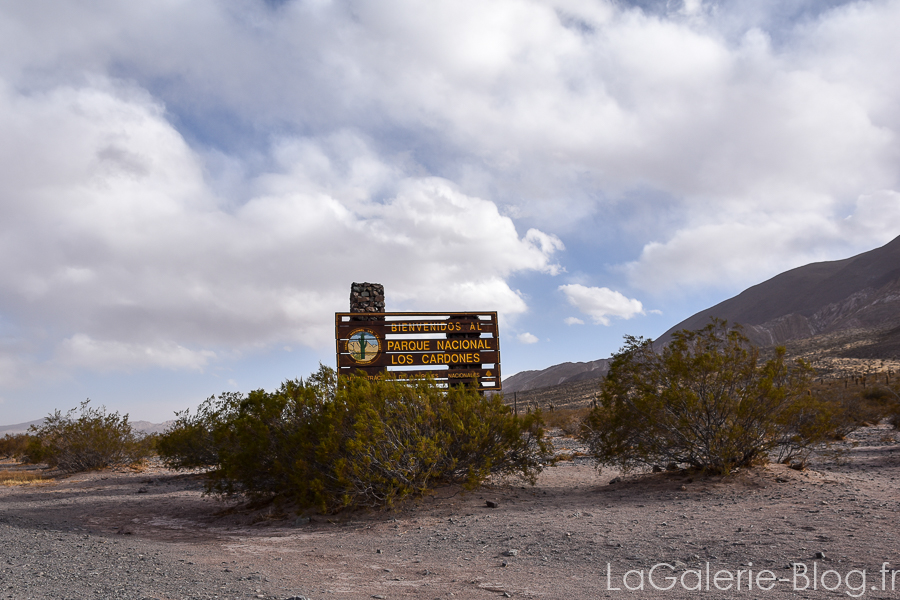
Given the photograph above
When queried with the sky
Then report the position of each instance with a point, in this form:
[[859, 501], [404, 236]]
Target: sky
[[189, 188]]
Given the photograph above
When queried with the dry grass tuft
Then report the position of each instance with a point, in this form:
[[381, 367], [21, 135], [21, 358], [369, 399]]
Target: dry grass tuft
[[11, 478]]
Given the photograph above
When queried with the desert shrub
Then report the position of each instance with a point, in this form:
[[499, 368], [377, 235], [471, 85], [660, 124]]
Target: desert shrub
[[853, 407], [706, 400], [330, 445], [14, 445], [92, 439], [894, 419], [567, 419], [189, 443], [889, 396]]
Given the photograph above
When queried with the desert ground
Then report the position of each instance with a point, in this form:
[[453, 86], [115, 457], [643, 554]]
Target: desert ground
[[151, 533]]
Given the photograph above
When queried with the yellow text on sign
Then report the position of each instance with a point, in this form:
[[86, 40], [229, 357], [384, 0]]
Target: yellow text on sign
[[400, 327], [436, 359]]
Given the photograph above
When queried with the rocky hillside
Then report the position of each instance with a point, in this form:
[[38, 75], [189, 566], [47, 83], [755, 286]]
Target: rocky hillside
[[565, 373], [843, 316], [858, 293]]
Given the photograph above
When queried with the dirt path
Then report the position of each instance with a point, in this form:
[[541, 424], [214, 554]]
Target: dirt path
[[153, 535]]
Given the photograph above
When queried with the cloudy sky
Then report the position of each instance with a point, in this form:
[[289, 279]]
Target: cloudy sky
[[188, 188]]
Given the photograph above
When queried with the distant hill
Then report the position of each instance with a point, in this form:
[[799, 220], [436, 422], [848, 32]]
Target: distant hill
[[846, 308], [18, 428], [143, 426], [555, 375]]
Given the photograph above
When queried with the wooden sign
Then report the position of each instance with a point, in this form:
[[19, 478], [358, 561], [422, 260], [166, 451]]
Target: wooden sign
[[453, 347]]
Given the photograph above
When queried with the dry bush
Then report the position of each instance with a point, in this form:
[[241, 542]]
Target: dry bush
[[189, 443], [330, 445], [707, 401], [566, 419], [14, 445], [91, 440], [853, 407]]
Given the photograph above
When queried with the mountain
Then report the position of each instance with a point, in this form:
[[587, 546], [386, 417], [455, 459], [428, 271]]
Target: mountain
[[556, 375], [858, 293], [847, 309]]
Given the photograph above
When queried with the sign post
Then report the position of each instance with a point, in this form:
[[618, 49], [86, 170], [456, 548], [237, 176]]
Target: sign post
[[453, 347]]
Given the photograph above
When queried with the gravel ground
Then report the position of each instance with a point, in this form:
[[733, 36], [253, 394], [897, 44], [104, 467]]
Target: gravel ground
[[151, 534]]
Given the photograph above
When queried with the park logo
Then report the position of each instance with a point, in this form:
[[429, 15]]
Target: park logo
[[363, 346]]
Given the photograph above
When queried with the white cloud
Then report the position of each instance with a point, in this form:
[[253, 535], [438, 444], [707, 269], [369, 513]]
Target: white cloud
[[573, 321], [601, 303], [164, 193], [527, 338], [103, 355], [112, 235]]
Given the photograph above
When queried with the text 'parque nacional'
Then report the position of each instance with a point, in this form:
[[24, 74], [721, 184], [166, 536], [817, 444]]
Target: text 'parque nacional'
[[451, 347]]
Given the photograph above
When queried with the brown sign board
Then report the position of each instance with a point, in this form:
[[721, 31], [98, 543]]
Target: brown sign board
[[452, 347]]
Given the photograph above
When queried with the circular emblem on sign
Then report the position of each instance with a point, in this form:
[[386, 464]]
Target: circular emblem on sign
[[363, 346]]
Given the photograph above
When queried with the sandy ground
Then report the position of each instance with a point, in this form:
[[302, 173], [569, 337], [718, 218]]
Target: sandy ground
[[572, 536]]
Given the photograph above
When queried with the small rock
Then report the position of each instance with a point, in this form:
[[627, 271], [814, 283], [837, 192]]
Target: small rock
[[503, 563], [511, 553], [491, 504], [296, 598], [615, 480], [657, 469], [378, 596], [142, 490], [378, 551], [683, 488], [506, 595], [820, 555]]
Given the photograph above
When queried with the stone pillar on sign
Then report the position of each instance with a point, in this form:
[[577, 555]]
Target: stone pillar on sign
[[368, 300]]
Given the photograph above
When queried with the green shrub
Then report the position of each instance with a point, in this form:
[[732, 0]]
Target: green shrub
[[14, 445], [706, 401], [330, 445], [189, 443], [93, 440]]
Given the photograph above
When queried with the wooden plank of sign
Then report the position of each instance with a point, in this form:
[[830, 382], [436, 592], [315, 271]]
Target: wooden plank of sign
[[406, 328], [350, 319], [387, 330], [485, 378], [419, 315], [474, 373], [421, 359]]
